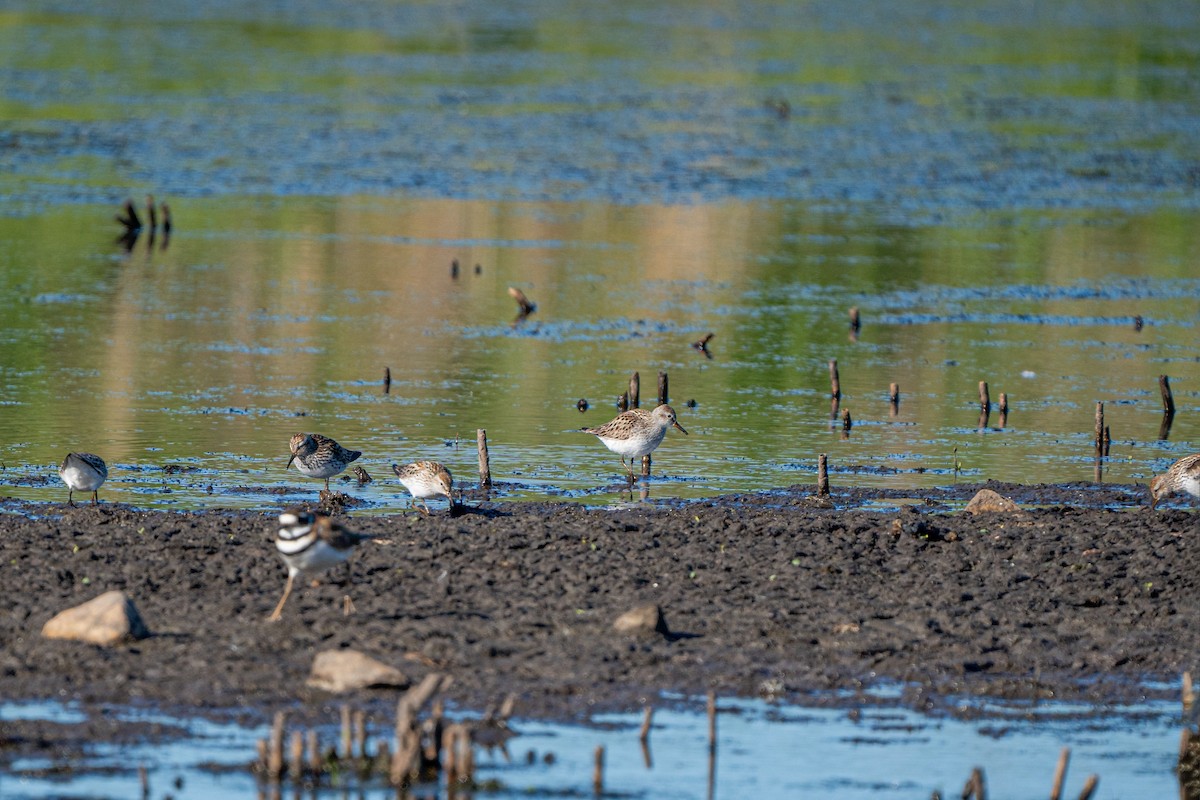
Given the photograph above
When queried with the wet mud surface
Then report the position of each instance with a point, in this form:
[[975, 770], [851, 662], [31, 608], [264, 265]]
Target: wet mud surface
[[770, 595]]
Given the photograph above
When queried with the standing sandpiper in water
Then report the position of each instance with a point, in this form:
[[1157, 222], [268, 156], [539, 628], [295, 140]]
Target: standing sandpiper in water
[[425, 479], [311, 542], [636, 432], [83, 472], [1182, 476], [319, 456]]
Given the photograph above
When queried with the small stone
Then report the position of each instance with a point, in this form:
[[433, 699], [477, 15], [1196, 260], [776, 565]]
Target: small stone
[[643, 619], [345, 670], [109, 619], [988, 501]]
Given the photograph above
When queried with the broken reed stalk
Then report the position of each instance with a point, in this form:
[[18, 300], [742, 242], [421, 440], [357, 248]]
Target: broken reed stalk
[[406, 760], [712, 744], [275, 748], [847, 422], [449, 761], [296, 753], [1099, 429], [985, 404], [598, 771], [358, 743], [435, 727], [387, 380], [662, 388], [975, 786], [507, 707], [1089, 787], [822, 475], [1164, 428], [1107, 440], [1003, 406], [712, 722], [525, 308], [894, 398], [854, 320], [346, 740], [635, 390], [835, 383], [1164, 387], [1188, 696], [485, 470], [314, 754], [1060, 774], [646, 466], [644, 734], [1185, 741], [623, 402], [466, 755]]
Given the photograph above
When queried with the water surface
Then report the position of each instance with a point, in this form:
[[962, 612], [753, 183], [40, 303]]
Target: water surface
[[1001, 190]]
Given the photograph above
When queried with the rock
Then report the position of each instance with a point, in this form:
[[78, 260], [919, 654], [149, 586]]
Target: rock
[[109, 619], [643, 619], [988, 501], [344, 670]]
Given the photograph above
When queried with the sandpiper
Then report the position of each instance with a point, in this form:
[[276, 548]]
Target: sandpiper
[[425, 479], [311, 542], [83, 472], [1182, 476], [636, 432], [319, 456]]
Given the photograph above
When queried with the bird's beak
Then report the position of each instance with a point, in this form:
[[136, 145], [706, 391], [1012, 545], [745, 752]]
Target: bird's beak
[[1153, 501], [290, 460], [681, 430]]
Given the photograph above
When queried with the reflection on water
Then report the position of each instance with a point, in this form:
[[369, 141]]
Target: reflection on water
[[188, 369], [1000, 189], [762, 750]]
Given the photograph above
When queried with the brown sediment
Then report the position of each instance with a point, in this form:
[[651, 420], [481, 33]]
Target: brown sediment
[[767, 594]]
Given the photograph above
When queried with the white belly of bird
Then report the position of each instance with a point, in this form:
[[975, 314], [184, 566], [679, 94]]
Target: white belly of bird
[[1191, 485], [82, 480], [319, 470], [317, 557], [635, 447], [422, 488]]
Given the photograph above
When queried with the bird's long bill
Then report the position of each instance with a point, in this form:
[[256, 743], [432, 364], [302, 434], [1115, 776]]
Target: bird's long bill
[[1153, 501], [290, 460], [681, 430]]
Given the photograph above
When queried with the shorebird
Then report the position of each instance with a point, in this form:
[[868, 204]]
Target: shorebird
[[83, 472], [636, 432], [319, 456], [1182, 476], [425, 479], [311, 542]]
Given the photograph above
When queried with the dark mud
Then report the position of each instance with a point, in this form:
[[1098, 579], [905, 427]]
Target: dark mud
[[772, 595]]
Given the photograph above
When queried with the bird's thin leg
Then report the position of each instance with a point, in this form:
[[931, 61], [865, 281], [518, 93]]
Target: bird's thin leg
[[96, 497], [71, 498], [424, 509], [287, 589]]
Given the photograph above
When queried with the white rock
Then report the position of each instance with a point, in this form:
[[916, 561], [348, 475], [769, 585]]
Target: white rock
[[109, 619], [344, 670]]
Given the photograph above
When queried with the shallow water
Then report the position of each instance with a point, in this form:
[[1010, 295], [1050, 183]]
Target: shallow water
[[1000, 190], [762, 750], [267, 317]]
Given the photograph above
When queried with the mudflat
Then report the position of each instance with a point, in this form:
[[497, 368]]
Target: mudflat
[[1092, 596]]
